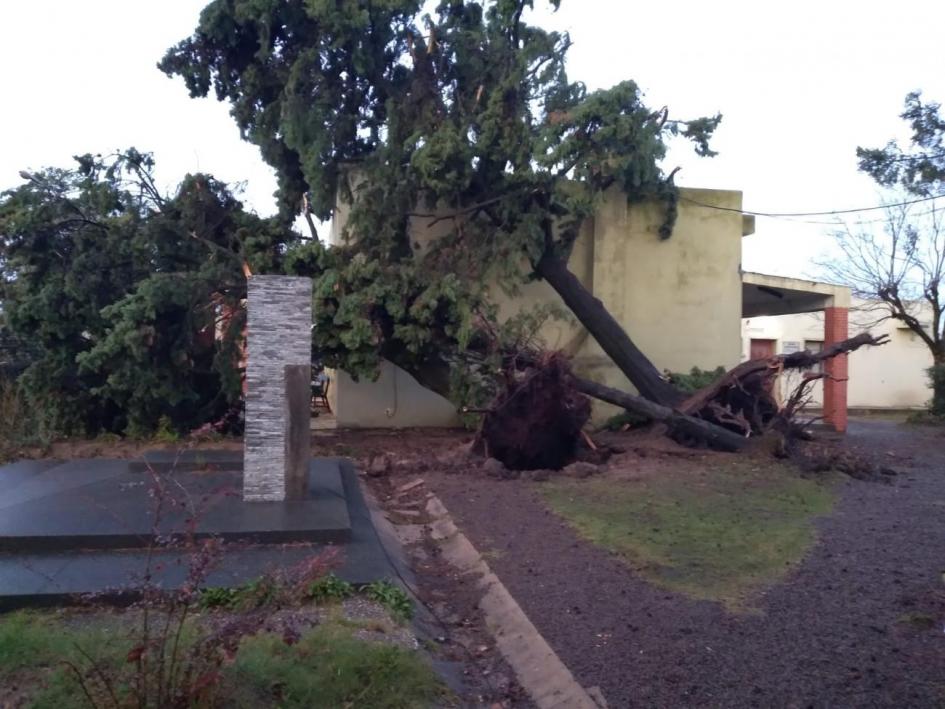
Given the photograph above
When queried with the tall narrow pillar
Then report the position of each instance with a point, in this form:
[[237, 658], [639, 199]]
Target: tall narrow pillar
[[278, 381], [836, 329]]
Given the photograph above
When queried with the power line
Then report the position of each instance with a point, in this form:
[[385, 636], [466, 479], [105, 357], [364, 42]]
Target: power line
[[832, 212]]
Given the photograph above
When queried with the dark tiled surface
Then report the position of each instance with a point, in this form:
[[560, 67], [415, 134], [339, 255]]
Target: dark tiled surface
[[105, 504], [31, 577]]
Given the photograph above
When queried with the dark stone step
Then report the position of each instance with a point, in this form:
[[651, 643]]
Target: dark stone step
[[38, 577], [105, 504]]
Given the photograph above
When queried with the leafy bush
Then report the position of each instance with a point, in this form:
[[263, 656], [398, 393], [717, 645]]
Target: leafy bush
[[936, 374], [22, 424], [632, 419], [392, 597], [696, 379], [330, 588]]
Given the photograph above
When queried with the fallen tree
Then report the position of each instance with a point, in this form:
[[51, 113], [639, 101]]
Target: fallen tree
[[744, 399], [535, 421]]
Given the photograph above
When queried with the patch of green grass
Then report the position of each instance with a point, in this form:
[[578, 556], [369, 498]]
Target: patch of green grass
[[392, 597], [329, 668], [35, 639], [716, 534], [36, 645], [920, 621]]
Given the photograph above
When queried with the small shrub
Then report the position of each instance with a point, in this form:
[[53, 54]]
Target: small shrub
[[696, 379], [218, 597], [936, 375], [165, 432], [925, 418], [330, 588], [631, 419], [22, 424], [392, 597]]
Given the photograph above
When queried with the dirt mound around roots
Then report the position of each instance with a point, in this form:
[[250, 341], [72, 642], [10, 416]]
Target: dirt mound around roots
[[536, 422]]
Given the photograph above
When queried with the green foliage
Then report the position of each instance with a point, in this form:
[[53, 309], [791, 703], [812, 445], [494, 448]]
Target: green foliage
[[330, 668], [936, 374], [919, 167], [327, 667], [718, 534], [462, 120], [330, 588], [217, 597], [633, 419], [696, 379], [392, 597], [120, 291], [21, 425]]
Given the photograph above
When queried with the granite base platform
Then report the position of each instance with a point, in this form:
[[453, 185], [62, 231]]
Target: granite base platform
[[70, 528]]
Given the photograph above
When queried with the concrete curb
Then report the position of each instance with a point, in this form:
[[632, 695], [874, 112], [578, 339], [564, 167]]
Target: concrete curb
[[539, 669]]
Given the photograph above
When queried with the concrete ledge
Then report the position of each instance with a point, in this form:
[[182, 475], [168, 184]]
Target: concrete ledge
[[538, 668]]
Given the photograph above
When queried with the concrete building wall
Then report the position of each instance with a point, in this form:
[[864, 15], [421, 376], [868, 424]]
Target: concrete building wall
[[680, 300], [891, 376]]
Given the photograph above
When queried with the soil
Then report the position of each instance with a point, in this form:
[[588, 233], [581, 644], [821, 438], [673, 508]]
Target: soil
[[858, 623]]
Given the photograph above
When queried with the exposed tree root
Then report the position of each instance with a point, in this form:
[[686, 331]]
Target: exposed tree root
[[536, 421]]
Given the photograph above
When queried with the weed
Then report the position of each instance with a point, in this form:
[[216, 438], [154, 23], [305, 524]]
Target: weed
[[330, 588], [392, 597]]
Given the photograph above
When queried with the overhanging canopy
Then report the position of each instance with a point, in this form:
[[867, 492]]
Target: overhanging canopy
[[774, 295]]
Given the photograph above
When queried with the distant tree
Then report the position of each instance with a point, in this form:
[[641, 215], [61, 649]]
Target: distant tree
[[464, 118], [899, 269], [117, 290], [903, 266]]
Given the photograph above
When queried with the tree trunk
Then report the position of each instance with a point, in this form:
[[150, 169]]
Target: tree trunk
[[607, 331], [714, 436]]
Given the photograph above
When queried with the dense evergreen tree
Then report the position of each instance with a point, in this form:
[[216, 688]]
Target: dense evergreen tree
[[466, 118], [122, 293]]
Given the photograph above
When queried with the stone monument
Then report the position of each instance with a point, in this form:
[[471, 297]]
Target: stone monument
[[278, 378]]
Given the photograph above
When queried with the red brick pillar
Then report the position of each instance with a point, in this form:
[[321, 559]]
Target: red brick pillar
[[835, 387]]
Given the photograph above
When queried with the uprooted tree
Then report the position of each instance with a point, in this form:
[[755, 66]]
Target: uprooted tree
[[464, 120]]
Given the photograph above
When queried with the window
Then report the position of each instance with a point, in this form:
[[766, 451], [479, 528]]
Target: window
[[815, 346]]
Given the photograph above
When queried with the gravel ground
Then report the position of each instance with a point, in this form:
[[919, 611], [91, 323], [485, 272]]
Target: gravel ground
[[832, 635]]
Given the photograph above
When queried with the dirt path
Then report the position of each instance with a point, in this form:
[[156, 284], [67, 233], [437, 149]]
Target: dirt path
[[832, 635]]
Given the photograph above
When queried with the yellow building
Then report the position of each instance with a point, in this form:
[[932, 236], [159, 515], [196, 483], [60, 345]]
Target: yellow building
[[681, 300]]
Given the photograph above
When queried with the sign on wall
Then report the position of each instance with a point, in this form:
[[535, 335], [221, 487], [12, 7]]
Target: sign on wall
[[790, 346]]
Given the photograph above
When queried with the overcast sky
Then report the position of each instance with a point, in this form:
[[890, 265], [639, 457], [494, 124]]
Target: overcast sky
[[799, 84]]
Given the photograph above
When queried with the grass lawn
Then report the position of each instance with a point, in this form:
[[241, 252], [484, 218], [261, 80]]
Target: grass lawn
[[716, 534], [328, 666]]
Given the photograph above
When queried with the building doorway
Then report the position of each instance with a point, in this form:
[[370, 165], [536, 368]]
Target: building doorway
[[761, 349]]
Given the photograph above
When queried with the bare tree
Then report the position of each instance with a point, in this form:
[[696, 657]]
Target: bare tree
[[898, 266]]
